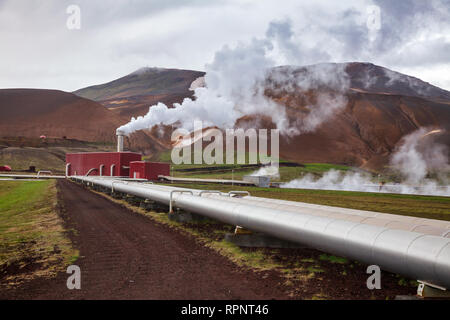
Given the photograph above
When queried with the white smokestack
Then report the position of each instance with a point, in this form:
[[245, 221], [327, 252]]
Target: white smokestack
[[120, 135]]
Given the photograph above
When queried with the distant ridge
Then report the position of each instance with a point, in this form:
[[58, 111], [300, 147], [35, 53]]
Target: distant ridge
[[382, 107], [132, 94]]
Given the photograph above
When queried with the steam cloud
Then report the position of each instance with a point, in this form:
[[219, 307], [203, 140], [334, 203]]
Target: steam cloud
[[269, 171], [235, 84], [415, 158], [321, 86]]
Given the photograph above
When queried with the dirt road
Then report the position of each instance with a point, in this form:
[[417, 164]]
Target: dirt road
[[124, 255]]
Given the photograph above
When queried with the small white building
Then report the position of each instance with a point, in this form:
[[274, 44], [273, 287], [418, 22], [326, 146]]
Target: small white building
[[259, 181]]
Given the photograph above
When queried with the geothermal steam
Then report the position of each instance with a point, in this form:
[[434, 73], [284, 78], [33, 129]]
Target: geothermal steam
[[235, 84], [268, 171], [414, 159]]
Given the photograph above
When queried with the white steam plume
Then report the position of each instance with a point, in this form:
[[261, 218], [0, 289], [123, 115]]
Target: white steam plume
[[269, 171], [414, 159], [321, 86], [354, 181], [232, 90], [235, 84]]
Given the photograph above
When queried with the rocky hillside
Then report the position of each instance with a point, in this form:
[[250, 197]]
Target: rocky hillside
[[131, 95], [367, 130], [31, 113], [381, 106]]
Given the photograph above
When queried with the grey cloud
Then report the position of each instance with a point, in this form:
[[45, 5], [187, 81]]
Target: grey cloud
[[281, 32], [120, 36], [426, 53]]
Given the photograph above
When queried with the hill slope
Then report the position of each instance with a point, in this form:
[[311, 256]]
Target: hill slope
[[35, 112], [132, 94], [376, 79], [382, 106], [369, 78], [31, 113], [367, 130]]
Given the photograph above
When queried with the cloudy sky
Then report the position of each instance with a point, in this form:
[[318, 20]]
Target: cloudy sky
[[38, 49]]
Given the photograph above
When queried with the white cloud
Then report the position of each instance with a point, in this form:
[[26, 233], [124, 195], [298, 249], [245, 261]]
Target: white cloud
[[118, 37]]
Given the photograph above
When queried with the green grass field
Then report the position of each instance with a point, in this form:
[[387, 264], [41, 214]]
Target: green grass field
[[287, 170], [286, 173], [31, 232], [411, 205]]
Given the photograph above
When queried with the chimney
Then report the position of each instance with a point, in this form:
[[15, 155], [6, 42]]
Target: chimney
[[120, 135]]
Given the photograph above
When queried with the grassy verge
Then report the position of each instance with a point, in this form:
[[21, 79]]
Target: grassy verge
[[286, 173], [211, 234], [32, 238], [288, 170], [412, 205], [304, 273]]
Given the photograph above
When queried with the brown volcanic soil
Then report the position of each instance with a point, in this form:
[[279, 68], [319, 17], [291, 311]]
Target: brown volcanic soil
[[30, 113], [376, 79], [366, 131], [139, 105], [382, 107], [125, 255], [35, 112], [132, 95]]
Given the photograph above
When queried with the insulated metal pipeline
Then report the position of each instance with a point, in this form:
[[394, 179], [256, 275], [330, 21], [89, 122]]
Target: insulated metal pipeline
[[431, 222], [392, 221], [412, 254], [426, 226]]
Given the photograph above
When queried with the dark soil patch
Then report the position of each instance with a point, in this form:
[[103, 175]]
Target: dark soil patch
[[309, 273], [27, 265], [125, 255]]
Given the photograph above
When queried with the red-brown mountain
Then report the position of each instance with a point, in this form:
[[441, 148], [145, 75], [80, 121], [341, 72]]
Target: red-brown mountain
[[131, 95], [31, 113], [382, 106], [367, 130], [375, 79]]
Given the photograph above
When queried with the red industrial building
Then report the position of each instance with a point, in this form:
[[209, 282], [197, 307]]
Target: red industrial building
[[122, 164], [5, 168], [148, 170], [102, 163]]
